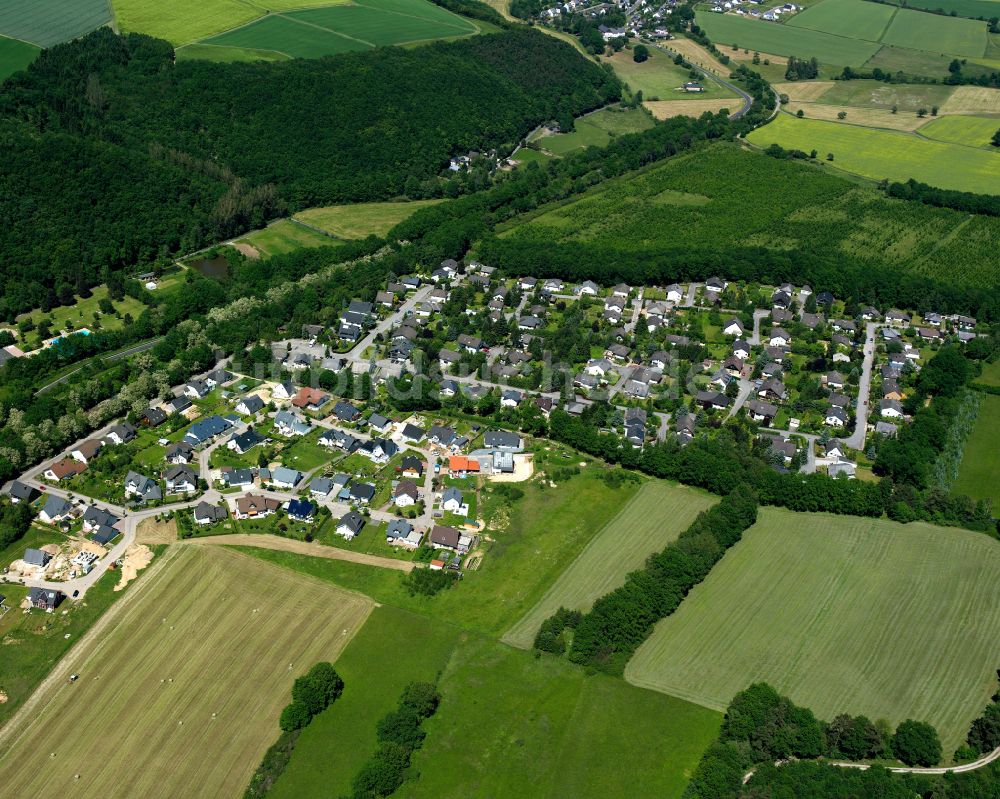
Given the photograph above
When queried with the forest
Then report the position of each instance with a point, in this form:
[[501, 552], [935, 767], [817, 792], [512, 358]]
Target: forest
[[146, 157]]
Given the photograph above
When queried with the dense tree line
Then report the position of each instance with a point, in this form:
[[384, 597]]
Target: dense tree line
[[986, 204], [801, 69], [550, 636], [312, 693], [607, 636], [144, 157], [399, 733], [762, 728], [15, 519]]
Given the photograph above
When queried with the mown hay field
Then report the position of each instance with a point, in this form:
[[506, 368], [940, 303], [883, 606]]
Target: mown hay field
[[182, 21], [186, 688], [866, 117], [48, 22], [842, 614], [652, 519], [979, 473], [972, 100], [284, 236], [854, 19], [692, 108], [880, 154], [918, 30], [905, 97], [363, 219]]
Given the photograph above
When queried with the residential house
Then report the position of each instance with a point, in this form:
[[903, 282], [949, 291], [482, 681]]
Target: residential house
[[510, 398], [741, 349], [94, 518], [55, 510], [350, 524], [772, 389], [715, 285], [284, 477], [346, 412], [379, 423], [897, 318], [412, 433], [461, 466], [196, 389], [890, 409], [248, 406], [142, 487], [87, 450], [587, 288], [205, 513], [835, 380], [617, 352], [178, 405], [712, 400], [242, 443], [444, 537], [440, 435], [836, 417], [451, 501], [362, 493], [64, 469], [283, 391], [448, 358], [812, 320], [501, 439], [886, 429], [36, 557], [401, 533], [733, 327], [779, 338], [153, 417], [839, 400], [301, 510], [321, 487], [469, 343], [206, 429], [448, 388], [378, 450], [845, 468], [310, 398], [121, 433], [675, 293], [46, 599], [288, 423], [237, 478], [255, 506], [412, 467], [19, 492], [760, 411], [180, 480], [405, 493]]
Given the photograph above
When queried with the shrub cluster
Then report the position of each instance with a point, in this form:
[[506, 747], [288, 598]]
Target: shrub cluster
[[399, 734], [428, 582], [619, 622], [550, 634]]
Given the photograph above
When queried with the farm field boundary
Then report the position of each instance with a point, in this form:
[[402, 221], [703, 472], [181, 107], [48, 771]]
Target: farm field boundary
[[823, 608], [156, 695], [652, 519]]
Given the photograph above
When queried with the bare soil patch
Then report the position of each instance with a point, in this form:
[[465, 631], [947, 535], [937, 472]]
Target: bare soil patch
[[137, 557], [248, 250], [154, 531]]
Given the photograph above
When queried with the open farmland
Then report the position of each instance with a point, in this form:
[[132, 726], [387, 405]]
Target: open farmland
[[879, 154], [48, 22], [972, 100], [979, 474], [807, 209], [360, 25], [651, 520], [823, 607], [727, 29], [182, 21], [513, 726], [284, 236], [974, 9], [918, 30], [693, 108], [187, 686], [363, 219], [876, 94], [968, 130], [866, 117], [226, 55], [15, 55], [853, 19], [596, 130]]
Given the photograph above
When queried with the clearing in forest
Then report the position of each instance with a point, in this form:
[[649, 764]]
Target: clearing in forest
[[362, 219], [187, 685], [826, 609], [652, 519]]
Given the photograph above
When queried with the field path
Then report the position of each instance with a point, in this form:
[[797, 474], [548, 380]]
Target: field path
[[263, 541], [90, 641]]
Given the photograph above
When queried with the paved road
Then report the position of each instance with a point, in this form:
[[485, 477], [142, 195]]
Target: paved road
[[758, 315], [264, 541], [857, 439], [115, 356], [746, 389]]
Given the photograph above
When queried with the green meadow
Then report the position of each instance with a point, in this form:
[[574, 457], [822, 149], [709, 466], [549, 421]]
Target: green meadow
[[979, 473], [15, 55], [958, 129]]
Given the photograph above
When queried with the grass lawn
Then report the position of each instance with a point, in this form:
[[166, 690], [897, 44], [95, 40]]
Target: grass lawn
[[824, 608], [35, 642], [15, 55], [361, 220], [186, 687], [213, 52], [81, 314], [970, 131], [918, 30], [979, 474], [597, 129], [728, 29], [182, 21], [990, 375], [653, 518], [527, 156], [285, 236], [879, 154], [510, 725], [377, 664], [306, 454]]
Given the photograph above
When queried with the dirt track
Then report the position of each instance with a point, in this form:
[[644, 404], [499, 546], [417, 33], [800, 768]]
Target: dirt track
[[302, 548]]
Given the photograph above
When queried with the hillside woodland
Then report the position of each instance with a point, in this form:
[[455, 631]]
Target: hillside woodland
[[147, 157]]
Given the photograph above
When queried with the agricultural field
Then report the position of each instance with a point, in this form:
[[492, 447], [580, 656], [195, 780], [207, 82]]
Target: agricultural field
[[15, 55], [879, 154], [359, 25], [865, 117], [652, 519], [157, 697], [874, 94], [226, 55], [824, 213], [283, 236], [727, 29], [823, 607], [182, 21], [974, 9], [664, 109], [660, 80], [853, 19], [979, 474], [361, 220], [512, 726], [968, 130], [917, 30], [596, 130], [376, 665], [972, 100], [48, 22]]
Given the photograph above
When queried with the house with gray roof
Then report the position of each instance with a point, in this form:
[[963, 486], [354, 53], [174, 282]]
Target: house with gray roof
[[283, 477], [142, 487], [205, 513], [56, 509]]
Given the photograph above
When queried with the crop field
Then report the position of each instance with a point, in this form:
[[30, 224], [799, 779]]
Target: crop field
[[693, 108], [182, 21], [968, 130], [48, 22], [972, 100], [875, 94], [879, 154], [376, 665], [866, 117], [979, 474], [853, 19], [694, 53], [15, 55], [964, 8], [651, 520], [728, 29], [823, 607], [285, 236], [809, 91], [512, 726], [359, 25], [918, 30], [187, 685], [361, 220], [824, 213]]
